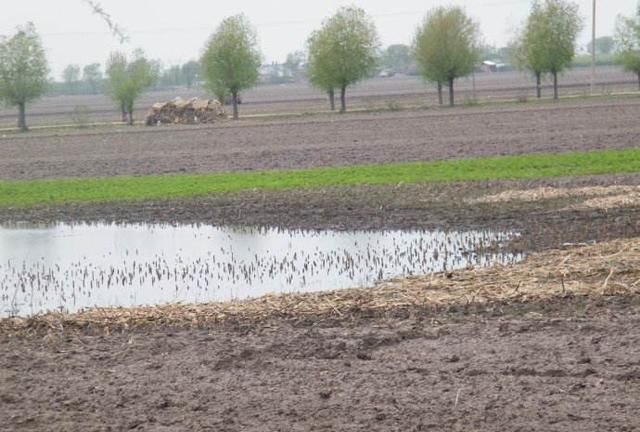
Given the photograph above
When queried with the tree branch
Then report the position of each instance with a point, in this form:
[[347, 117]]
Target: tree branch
[[115, 29]]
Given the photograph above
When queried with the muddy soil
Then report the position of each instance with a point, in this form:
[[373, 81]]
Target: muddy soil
[[325, 141], [542, 224], [567, 365]]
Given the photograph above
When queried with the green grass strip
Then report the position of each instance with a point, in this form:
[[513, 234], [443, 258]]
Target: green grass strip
[[111, 189]]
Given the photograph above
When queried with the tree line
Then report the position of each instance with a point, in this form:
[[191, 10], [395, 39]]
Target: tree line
[[345, 50], [91, 79]]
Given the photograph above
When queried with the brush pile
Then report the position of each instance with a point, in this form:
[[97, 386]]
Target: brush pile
[[179, 111]]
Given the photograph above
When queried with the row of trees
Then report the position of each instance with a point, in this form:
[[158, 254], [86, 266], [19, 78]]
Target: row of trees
[[91, 80], [345, 50]]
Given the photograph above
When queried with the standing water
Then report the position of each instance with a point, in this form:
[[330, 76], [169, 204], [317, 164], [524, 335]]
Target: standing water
[[72, 267]]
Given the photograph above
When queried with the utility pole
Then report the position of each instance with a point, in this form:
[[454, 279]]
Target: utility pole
[[593, 50]]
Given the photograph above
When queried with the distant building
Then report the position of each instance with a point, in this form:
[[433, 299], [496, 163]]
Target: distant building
[[275, 72], [491, 66]]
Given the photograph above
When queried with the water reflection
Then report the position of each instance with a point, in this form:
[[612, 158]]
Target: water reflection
[[64, 267]]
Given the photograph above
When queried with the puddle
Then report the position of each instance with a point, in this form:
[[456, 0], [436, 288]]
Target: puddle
[[72, 267]]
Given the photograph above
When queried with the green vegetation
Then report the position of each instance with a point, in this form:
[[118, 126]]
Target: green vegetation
[[604, 45], [71, 78], [628, 40], [49, 192], [343, 52], [396, 58], [446, 47], [584, 60], [231, 59], [23, 70], [128, 80], [548, 41]]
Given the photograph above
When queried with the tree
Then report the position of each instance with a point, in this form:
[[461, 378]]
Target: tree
[[628, 43], [128, 79], [548, 42], [294, 63], [92, 76], [190, 72], [71, 77], [171, 77], [445, 47], [23, 70], [231, 59], [397, 58], [604, 45], [318, 72], [344, 51], [527, 53]]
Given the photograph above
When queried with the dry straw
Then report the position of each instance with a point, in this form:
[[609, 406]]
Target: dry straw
[[611, 268], [547, 193]]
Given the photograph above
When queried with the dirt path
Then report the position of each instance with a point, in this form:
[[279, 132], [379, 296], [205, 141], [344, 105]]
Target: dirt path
[[325, 141]]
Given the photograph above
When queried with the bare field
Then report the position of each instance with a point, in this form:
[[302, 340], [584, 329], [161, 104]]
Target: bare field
[[367, 138], [378, 93], [556, 350]]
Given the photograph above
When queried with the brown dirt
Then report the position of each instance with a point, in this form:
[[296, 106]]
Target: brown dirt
[[562, 365], [325, 141]]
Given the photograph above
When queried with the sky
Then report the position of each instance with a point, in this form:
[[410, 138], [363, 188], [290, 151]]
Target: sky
[[176, 32]]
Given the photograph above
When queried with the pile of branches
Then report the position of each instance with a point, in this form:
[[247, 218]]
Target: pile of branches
[[192, 111]]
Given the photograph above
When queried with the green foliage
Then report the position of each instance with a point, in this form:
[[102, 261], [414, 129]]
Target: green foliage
[[445, 46], [604, 45], [320, 56], [294, 63], [584, 60], [189, 72], [547, 43], [129, 79], [52, 192], [397, 58], [23, 70], [92, 76], [71, 78], [231, 59], [628, 43], [343, 52]]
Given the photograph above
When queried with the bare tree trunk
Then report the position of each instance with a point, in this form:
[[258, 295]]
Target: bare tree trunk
[[440, 97], [234, 95], [22, 118], [555, 85], [332, 99], [451, 95], [343, 99], [123, 112], [538, 84], [130, 112]]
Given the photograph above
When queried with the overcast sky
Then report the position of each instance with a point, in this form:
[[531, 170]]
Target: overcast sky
[[175, 31]]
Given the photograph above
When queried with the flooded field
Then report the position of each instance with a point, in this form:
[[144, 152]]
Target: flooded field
[[72, 267]]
